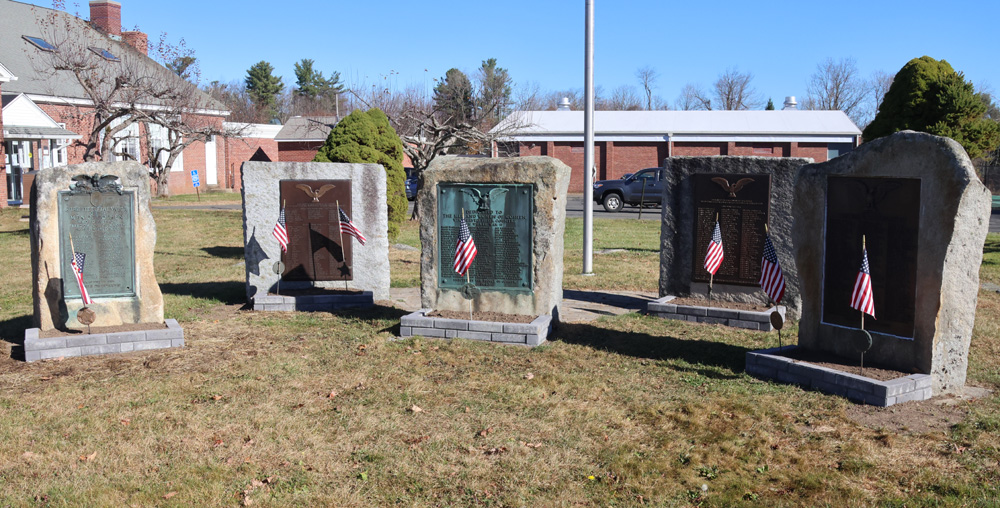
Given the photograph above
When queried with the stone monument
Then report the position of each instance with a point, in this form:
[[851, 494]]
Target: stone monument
[[100, 211], [744, 194], [515, 209], [923, 213], [322, 267]]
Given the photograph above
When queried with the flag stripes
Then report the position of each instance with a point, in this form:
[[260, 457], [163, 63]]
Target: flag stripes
[[715, 254], [772, 280], [346, 226], [862, 298], [280, 233], [465, 251], [77, 263]]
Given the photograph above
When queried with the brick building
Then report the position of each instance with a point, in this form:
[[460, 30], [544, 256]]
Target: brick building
[[28, 77], [626, 141]]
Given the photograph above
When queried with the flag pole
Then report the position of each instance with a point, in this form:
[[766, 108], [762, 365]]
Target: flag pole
[[343, 249], [468, 279], [278, 287], [862, 372], [72, 254]]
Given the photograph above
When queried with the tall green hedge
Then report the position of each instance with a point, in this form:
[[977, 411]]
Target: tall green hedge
[[927, 95], [367, 136]]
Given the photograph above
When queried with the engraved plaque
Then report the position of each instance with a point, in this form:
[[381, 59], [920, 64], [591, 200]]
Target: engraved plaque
[[742, 202], [887, 212], [316, 249], [103, 227], [500, 218]]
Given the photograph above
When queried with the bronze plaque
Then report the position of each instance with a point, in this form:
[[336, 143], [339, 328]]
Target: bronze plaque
[[102, 226], [742, 203], [887, 212], [501, 220], [317, 251]]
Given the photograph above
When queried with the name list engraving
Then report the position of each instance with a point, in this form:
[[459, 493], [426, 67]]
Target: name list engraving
[[103, 227], [742, 203], [500, 219]]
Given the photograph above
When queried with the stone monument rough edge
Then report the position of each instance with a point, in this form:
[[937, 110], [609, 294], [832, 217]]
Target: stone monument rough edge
[[954, 221], [551, 179], [259, 184], [50, 310]]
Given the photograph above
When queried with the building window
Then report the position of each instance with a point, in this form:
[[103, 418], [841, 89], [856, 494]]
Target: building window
[[39, 43], [159, 143], [125, 146], [763, 150], [834, 150], [105, 54]]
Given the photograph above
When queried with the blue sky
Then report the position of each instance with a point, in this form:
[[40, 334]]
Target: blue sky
[[541, 41]]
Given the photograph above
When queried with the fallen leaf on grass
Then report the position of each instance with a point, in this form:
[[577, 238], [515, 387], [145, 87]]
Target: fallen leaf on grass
[[217, 443], [415, 409], [125, 422], [333, 393], [216, 397], [529, 376], [46, 378], [484, 432], [531, 445], [413, 442], [496, 451], [88, 458], [28, 455], [169, 495]]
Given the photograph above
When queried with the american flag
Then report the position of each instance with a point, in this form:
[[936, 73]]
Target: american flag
[[772, 281], [346, 226], [280, 232], [77, 264], [713, 258], [465, 251], [862, 298]]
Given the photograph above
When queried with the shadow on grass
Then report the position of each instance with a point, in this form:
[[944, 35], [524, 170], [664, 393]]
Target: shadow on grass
[[224, 252], [229, 293], [612, 299], [17, 232], [12, 330], [642, 345]]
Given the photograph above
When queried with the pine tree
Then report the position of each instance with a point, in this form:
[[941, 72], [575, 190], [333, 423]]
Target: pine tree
[[369, 137], [264, 87], [928, 95], [770, 105], [311, 83], [453, 98]]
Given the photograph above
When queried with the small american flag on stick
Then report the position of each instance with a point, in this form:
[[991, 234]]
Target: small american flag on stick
[[772, 281], [713, 258], [862, 298], [465, 251], [77, 263], [280, 233], [346, 226]]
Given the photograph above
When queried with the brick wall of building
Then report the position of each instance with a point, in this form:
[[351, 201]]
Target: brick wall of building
[[690, 149], [299, 151], [817, 151], [628, 157], [239, 150]]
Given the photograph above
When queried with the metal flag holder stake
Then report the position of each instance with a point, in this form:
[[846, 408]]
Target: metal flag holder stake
[[777, 322], [343, 249], [279, 268], [85, 315]]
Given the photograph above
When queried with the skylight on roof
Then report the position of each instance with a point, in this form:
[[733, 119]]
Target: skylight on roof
[[39, 43], [107, 55]]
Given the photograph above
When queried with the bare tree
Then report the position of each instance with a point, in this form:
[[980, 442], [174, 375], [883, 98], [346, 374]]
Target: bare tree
[[623, 98], [693, 98], [733, 91], [836, 85], [647, 79], [125, 93]]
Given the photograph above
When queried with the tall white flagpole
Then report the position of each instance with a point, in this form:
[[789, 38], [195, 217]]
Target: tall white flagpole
[[588, 143]]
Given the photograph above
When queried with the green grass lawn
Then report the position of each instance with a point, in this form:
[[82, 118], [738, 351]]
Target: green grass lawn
[[314, 409]]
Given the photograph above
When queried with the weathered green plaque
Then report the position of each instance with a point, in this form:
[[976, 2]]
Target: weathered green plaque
[[500, 218], [102, 225]]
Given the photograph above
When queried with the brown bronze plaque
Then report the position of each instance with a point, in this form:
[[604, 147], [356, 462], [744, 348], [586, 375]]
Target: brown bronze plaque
[[316, 249], [742, 202], [887, 212]]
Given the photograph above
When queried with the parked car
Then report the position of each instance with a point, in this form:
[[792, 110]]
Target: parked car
[[412, 183], [644, 188]]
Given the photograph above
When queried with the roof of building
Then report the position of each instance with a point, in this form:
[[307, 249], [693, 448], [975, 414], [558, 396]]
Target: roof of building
[[543, 124], [306, 128], [23, 119], [34, 72]]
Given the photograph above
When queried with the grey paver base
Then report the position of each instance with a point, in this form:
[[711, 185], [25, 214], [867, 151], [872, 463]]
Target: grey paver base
[[313, 303], [532, 334], [766, 364], [36, 348], [752, 320]]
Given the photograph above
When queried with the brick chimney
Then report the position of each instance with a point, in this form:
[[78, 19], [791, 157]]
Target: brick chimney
[[106, 16], [137, 40]]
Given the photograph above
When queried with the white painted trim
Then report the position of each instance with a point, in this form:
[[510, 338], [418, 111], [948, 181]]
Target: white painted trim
[[300, 140], [6, 75], [703, 138], [73, 101], [211, 163]]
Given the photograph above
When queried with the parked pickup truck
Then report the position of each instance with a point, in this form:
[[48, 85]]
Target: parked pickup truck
[[614, 194]]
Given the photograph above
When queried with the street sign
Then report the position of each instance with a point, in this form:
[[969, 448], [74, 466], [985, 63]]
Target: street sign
[[194, 178]]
